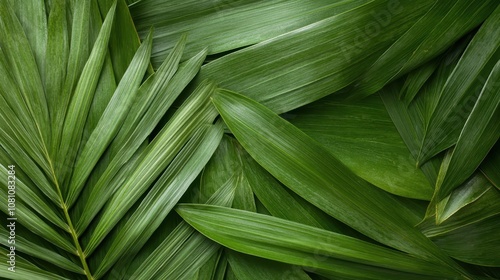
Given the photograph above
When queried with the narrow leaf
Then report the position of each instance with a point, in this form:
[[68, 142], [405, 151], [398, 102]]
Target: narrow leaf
[[303, 166]]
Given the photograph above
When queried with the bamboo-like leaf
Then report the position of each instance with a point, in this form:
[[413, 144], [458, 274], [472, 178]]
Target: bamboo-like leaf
[[230, 159], [156, 95], [362, 136], [247, 268], [25, 245], [303, 166], [81, 100], [128, 140], [482, 127], [124, 41], [410, 125], [416, 80], [294, 243], [427, 31], [345, 46], [195, 112], [490, 166], [36, 224], [33, 18], [175, 255], [471, 203], [475, 243], [461, 89], [14, 129], [23, 65], [163, 195], [111, 120], [24, 269], [214, 268], [107, 82], [30, 197], [78, 54], [13, 148], [470, 191], [56, 55], [205, 20], [13, 98]]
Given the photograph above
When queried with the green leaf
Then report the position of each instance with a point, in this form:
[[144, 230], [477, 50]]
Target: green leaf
[[163, 195], [472, 202], [230, 159], [123, 42], [247, 268], [24, 243], [305, 167], [33, 18], [36, 224], [110, 121], [219, 26], [15, 151], [79, 49], [415, 80], [444, 23], [80, 102], [195, 112], [23, 66], [56, 55], [291, 71], [490, 166], [138, 125], [24, 269], [294, 243], [176, 255], [30, 195], [462, 89], [362, 136], [482, 126], [475, 243]]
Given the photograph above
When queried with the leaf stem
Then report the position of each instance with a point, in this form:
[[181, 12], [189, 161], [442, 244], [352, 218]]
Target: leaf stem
[[71, 228]]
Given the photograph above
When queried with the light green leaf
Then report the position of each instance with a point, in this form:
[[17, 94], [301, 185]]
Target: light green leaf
[[22, 65], [24, 243], [230, 159], [163, 196], [56, 56], [184, 251], [24, 270], [110, 121], [138, 125], [123, 42], [195, 112], [33, 18], [80, 102], [30, 195], [78, 13]]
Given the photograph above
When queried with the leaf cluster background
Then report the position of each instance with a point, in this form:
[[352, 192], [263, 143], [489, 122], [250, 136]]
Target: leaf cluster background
[[249, 139]]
